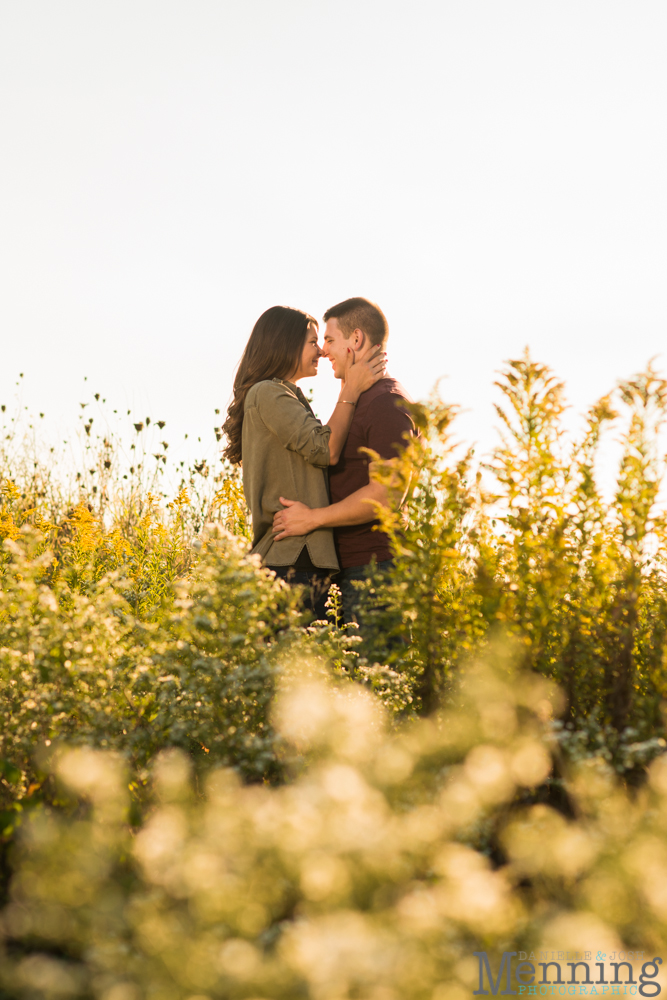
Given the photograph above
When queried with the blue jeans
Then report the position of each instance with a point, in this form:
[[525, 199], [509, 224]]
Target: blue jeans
[[317, 585], [353, 598]]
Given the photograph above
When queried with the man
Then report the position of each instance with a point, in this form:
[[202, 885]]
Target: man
[[381, 423]]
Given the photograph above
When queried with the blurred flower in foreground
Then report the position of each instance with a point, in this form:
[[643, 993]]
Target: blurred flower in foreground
[[392, 857]]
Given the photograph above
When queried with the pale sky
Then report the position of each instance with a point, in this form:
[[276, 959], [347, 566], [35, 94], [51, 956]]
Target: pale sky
[[491, 172]]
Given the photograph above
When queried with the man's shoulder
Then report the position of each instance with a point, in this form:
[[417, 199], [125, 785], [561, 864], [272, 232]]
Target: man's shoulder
[[387, 392], [386, 418]]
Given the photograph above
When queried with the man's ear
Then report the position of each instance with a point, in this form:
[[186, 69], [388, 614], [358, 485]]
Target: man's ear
[[357, 339]]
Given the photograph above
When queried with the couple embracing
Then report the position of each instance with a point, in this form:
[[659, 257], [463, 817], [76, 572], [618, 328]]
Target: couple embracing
[[306, 483]]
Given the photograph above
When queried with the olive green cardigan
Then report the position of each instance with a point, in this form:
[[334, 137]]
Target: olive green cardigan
[[285, 453]]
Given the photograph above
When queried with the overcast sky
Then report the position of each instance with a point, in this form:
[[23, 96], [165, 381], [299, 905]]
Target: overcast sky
[[492, 172]]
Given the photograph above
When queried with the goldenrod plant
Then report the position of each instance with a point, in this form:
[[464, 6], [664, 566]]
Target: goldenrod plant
[[530, 547]]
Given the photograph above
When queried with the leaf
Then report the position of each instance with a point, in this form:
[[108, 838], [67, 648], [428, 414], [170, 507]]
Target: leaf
[[10, 772], [8, 822]]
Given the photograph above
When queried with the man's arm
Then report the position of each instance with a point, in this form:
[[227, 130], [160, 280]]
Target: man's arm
[[358, 508]]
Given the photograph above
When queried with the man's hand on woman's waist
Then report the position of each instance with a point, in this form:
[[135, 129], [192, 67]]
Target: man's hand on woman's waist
[[358, 508], [296, 519]]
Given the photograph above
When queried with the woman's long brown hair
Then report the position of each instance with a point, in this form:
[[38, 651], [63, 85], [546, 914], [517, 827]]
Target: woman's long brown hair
[[273, 351]]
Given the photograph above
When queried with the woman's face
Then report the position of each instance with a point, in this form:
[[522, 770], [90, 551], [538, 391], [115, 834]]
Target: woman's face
[[310, 355]]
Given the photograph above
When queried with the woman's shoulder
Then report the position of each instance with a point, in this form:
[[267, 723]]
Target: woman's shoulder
[[267, 389], [259, 389]]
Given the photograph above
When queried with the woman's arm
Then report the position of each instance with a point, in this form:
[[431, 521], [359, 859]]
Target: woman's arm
[[359, 376], [294, 426]]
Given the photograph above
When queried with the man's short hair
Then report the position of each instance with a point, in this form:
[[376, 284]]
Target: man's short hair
[[360, 314]]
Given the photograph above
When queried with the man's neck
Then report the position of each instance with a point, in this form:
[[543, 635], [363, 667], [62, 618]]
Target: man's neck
[[364, 352]]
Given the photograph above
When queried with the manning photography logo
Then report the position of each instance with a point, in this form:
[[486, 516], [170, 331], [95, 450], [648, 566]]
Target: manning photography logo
[[565, 973]]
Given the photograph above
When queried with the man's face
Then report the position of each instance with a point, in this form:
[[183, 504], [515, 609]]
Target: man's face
[[335, 347]]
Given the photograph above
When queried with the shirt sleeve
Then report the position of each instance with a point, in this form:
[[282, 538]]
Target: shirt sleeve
[[389, 422], [295, 428]]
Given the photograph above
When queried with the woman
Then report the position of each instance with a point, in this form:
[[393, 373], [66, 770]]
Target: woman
[[284, 448]]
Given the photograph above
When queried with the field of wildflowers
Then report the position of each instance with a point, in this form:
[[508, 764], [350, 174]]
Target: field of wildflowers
[[205, 795]]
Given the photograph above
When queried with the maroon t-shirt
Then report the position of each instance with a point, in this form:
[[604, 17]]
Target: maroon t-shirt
[[379, 423]]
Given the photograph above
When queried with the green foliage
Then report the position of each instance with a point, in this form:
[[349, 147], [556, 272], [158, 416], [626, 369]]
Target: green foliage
[[529, 547], [429, 603], [579, 568], [85, 670], [361, 878], [208, 796]]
